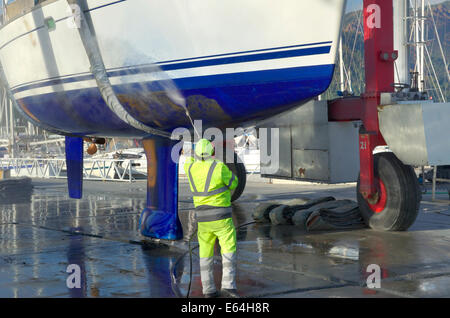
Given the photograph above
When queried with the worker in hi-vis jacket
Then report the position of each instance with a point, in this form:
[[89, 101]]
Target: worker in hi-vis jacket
[[210, 181]]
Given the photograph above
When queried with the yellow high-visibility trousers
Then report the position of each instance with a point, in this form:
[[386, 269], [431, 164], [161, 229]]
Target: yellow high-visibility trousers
[[208, 232]]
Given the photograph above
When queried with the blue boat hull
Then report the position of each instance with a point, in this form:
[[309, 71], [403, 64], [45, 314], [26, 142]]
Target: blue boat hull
[[226, 100]]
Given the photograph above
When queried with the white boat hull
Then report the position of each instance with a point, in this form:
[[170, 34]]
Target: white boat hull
[[215, 53]]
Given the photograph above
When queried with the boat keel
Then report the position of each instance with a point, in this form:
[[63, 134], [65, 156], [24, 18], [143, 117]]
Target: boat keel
[[74, 163], [160, 218]]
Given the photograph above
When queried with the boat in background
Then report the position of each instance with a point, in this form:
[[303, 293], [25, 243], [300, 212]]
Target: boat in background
[[124, 160]]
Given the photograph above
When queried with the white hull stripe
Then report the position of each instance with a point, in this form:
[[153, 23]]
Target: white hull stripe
[[207, 61]]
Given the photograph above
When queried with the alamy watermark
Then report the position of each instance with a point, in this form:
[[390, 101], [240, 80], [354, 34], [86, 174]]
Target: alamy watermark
[[269, 144], [374, 279], [74, 279], [373, 20]]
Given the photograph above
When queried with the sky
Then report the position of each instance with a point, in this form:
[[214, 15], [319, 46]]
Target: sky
[[353, 5]]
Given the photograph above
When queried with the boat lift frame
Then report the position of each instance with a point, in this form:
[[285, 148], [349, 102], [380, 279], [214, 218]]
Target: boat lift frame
[[414, 129], [379, 58]]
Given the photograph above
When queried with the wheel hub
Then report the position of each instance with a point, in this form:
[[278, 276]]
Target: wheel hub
[[378, 202]]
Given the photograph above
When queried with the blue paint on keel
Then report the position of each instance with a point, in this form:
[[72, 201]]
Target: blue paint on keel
[[160, 218], [74, 164]]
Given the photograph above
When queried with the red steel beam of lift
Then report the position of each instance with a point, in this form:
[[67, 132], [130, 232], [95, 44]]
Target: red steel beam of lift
[[379, 57]]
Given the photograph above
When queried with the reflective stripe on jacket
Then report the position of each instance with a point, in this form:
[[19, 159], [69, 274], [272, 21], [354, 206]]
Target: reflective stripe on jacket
[[210, 182]]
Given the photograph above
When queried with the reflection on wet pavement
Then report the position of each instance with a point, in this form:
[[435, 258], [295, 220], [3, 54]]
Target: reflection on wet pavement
[[39, 240], [46, 232]]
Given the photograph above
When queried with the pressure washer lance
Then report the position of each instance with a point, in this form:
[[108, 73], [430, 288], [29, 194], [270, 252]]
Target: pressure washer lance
[[180, 101], [192, 123]]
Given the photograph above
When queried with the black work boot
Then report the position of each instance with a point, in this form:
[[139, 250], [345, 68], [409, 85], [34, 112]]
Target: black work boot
[[230, 293], [212, 295]]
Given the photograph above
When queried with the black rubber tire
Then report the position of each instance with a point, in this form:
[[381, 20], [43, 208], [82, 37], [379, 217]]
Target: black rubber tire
[[238, 169], [403, 195]]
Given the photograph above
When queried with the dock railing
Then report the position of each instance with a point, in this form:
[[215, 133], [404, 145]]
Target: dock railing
[[433, 188], [93, 169]]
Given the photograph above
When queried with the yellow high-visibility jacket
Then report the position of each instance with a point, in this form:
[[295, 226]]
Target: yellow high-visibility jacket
[[210, 181]]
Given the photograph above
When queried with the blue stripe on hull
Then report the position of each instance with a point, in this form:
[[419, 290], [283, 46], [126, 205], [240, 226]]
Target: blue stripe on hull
[[219, 100], [222, 59]]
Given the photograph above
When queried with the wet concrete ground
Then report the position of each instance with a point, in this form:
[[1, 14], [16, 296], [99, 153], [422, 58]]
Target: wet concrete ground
[[43, 233]]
